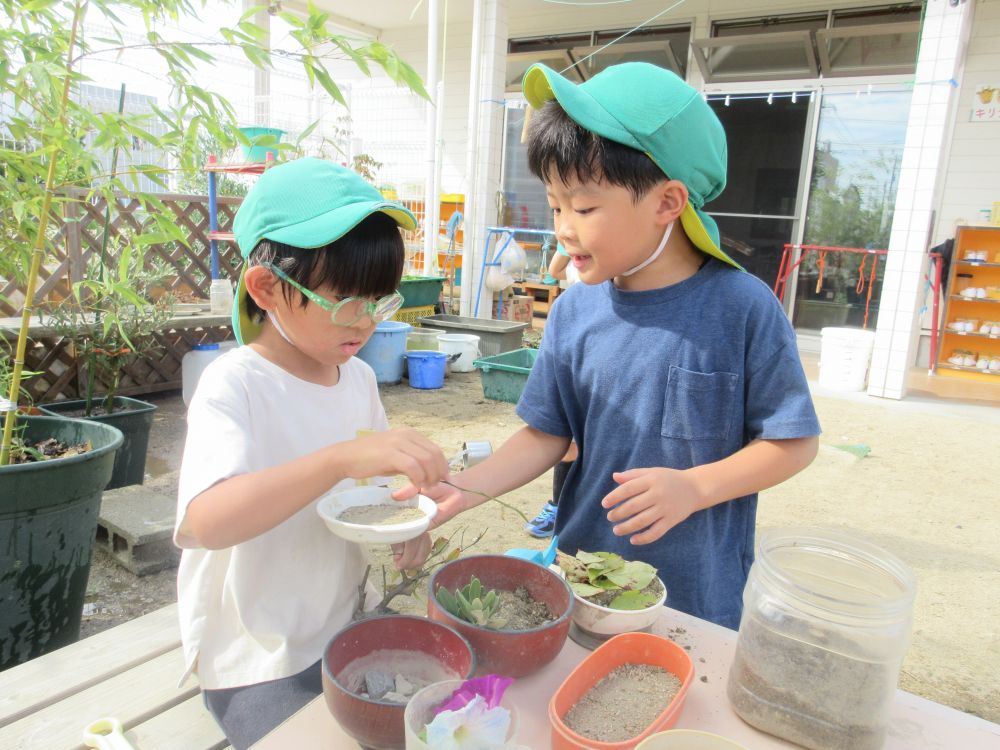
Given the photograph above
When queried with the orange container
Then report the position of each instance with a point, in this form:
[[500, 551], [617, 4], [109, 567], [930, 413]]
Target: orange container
[[627, 648]]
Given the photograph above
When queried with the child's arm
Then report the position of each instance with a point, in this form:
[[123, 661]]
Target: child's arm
[[527, 455], [557, 266], [244, 506], [649, 502]]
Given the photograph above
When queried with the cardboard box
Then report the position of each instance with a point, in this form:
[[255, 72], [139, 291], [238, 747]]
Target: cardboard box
[[518, 308]]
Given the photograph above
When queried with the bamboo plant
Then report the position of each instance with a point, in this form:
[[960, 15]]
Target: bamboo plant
[[50, 142]]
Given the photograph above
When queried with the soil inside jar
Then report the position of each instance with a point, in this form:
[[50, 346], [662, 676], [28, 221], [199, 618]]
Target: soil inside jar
[[381, 515], [521, 610], [624, 703], [811, 694]]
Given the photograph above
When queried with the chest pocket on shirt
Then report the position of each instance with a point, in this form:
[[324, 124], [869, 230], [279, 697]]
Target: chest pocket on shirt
[[698, 405]]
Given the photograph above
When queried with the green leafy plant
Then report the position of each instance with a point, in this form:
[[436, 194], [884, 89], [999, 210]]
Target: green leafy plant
[[110, 320], [616, 582], [53, 142], [474, 604]]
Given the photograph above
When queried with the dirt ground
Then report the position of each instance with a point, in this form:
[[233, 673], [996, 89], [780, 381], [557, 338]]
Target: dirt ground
[[925, 492]]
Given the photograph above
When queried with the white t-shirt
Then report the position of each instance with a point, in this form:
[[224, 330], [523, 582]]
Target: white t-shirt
[[265, 609]]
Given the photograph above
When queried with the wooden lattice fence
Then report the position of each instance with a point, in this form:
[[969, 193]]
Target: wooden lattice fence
[[78, 238]]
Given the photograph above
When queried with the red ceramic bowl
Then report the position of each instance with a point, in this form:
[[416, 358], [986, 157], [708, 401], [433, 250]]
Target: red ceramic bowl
[[512, 653], [377, 724]]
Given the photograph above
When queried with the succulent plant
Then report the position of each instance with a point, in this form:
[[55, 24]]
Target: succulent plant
[[473, 604]]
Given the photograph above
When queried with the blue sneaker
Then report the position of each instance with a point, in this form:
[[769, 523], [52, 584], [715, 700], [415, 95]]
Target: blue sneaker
[[542, 525]]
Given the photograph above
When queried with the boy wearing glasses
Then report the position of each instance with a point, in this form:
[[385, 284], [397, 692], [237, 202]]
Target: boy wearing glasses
[[274, 424]]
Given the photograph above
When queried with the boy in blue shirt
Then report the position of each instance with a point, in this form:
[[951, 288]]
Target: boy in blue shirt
[[675, 371]]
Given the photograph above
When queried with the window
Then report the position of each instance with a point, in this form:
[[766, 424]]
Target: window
[[878, 40], [663, 46]]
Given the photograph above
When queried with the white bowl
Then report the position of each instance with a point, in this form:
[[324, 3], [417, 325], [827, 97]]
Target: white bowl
[[605, 621], [333, 503]]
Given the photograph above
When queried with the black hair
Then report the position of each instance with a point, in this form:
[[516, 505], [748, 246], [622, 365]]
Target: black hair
[[558, 145], [365, 262]]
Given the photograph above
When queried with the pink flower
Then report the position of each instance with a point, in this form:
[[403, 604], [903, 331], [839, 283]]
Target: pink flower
[[491, 688]]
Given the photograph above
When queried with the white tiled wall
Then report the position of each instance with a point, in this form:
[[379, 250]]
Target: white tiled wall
[[971, 179], [944, 36]]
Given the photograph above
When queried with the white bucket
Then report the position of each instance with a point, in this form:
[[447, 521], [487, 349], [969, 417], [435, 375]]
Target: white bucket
[[193, 364], [845, 354], [464, 344]]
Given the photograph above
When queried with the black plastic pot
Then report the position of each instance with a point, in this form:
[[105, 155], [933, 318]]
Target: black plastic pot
[[48, 519], [134, 418]]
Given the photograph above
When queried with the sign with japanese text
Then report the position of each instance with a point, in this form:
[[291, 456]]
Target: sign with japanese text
[[986, 107]]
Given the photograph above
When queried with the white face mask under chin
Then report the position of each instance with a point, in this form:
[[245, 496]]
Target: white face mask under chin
[[656, 252], [278, 328]]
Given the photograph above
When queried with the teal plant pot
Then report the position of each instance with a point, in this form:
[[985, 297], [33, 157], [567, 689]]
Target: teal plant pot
[[48, 519], [255, 153], [134, 418]]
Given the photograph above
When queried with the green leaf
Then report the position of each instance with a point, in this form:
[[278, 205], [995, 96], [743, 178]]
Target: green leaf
[[327, 83], [584, 589], [588, 558], [631, 600], [634, 575]]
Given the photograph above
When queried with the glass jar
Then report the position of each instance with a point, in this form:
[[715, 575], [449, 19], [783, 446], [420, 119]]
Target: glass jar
[[826, 623]]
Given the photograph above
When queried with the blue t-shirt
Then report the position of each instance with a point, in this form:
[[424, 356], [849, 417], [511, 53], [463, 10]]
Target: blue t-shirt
[[677, 377]]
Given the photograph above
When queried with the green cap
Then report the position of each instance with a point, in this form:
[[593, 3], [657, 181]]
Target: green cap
[[305, 203], [653, 111]]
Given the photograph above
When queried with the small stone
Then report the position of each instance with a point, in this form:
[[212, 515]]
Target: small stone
[[403, 686], [704, 678], [393, 697], [377, 684]]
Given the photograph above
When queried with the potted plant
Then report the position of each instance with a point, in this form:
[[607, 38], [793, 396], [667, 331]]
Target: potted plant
[[53, 143], [51, 494], [109, 323], [508, 638], [613, 595]]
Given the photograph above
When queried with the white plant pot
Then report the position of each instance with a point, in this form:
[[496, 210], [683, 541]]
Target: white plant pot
[[604, 621]]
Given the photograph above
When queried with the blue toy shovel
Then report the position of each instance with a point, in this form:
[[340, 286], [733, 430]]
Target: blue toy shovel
[[541, 557]]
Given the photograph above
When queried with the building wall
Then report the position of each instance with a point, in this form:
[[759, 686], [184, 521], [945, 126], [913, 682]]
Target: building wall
[[970, 179]]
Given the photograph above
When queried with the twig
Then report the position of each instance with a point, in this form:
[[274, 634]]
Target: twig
[[489, 497], [409, 580]]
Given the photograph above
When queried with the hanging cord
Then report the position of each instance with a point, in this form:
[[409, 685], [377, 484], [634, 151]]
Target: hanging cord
[[618, 39], [822, 269], [871, 286], [861, 274]]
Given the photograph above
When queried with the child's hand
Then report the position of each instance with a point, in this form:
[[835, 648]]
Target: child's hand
[[399, 451], [413, 553], [650, 501], [450, 500]]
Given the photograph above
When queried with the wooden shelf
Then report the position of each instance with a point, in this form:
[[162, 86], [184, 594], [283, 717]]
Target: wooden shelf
[[960, 298], [974, 334], [254, 168], [543, 294], [978, 264], [963, 368], [978, 274]]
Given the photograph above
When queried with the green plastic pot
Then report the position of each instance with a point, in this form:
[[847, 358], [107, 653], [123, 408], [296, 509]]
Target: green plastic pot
[[48, 519], [134, 418]]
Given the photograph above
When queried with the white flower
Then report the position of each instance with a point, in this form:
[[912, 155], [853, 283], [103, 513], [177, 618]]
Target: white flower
[[473, 727]]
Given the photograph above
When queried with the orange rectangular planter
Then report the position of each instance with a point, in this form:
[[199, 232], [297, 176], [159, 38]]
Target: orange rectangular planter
[[628, 648]]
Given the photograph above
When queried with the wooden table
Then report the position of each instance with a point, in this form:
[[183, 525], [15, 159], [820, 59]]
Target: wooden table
[[129, 672], [916, 723]]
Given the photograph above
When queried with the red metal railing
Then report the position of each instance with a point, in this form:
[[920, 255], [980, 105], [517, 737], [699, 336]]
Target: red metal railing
[[786, 267]]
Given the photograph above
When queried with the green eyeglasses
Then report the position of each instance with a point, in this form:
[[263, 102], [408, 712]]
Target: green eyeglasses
[[349, 310]]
